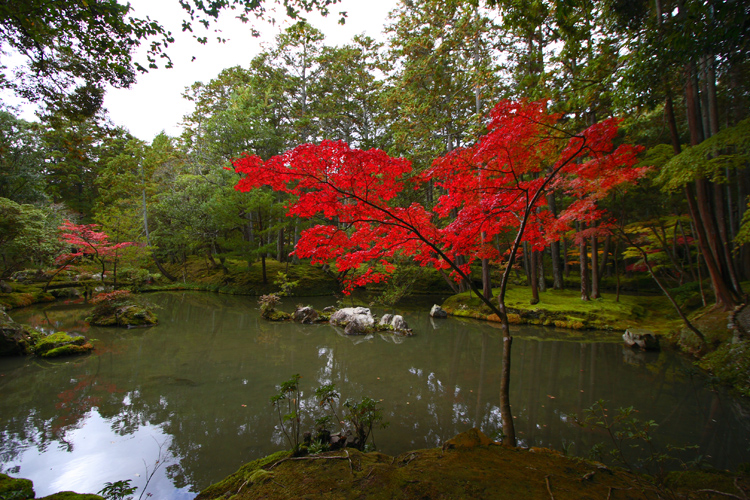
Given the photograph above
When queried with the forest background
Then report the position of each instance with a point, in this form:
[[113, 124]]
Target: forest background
[[675, 73]]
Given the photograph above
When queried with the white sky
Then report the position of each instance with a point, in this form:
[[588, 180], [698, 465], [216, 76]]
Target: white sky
[[155, 102]]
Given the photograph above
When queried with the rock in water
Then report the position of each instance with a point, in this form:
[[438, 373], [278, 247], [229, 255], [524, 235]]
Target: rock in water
[[386, 319], [641, 338], [358, 326], [305, 315], [438, 312], [399, 325], [356, 320]]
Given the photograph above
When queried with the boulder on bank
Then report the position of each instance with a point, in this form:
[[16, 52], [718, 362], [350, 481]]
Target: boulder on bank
[[641, 338], [438, 312]]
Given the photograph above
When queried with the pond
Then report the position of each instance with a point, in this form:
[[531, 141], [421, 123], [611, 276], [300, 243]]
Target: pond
[[186, 403]]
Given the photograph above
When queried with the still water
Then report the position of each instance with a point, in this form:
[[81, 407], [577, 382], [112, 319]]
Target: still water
[[190, 397]]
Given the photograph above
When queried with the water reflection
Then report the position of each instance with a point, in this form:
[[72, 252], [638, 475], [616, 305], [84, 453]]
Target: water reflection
[[199, 385]]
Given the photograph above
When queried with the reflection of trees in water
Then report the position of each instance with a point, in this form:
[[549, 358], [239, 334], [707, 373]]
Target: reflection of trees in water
[[192, 375]]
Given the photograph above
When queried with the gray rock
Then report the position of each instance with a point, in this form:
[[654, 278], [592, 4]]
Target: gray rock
[[399, 324], [344, 316], [641, 338], [438, 312], [305, 315], [5, 288], [386, 319], [358, 326]]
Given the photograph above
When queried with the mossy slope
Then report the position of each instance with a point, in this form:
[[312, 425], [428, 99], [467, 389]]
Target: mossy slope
[[468, 471]]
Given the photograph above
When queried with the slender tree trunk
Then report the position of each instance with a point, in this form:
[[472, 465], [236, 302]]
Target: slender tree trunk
[[540, 271], [584, 265], [486, 276], [604, 267], [594, 267], [534, 277], [557, 279], [616, 258]]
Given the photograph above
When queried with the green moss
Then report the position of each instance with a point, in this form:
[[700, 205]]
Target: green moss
[[730, 363], [276, 315], [468, 466], [129, 314], [23, 299], [243, 475], [69, 495], [68, 350], [565, 309], [703, 479], [16, 488], [239, 279], [61, 344]]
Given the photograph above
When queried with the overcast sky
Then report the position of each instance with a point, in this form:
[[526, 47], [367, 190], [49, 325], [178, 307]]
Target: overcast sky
[[155, 102]]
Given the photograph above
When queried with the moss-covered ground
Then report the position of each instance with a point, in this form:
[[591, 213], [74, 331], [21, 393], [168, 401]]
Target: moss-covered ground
[[236, 277], [467, 467], [565, 309]]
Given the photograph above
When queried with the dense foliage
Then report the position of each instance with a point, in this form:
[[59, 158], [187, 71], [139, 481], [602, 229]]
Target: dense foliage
[[423, 100]]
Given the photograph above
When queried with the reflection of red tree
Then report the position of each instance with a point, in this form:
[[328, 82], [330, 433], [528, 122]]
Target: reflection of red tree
[[77, 401]]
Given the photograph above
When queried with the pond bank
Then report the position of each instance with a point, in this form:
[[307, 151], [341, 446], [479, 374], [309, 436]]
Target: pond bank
[[467, 466], [725, 355]]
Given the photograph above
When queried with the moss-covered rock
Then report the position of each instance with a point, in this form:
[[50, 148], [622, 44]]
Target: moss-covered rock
[[16, 488], [61, 344], [126, 315], [16, 339], [276, 315]]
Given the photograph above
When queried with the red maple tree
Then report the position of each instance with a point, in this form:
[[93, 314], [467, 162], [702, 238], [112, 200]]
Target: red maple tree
[[86, 242], [493, 187]]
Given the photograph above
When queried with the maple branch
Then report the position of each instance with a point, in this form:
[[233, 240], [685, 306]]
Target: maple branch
[[527, 213]]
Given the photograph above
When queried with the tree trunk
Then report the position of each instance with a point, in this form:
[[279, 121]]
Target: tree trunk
[[540, 271], [594, 267], [584, 265], [280, 245], [604, 267], [486, 279], [263, 267], [534, 277]]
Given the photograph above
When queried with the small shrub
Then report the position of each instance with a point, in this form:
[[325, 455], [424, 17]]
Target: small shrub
[[268, 304], [119, 490], [288, 400]]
